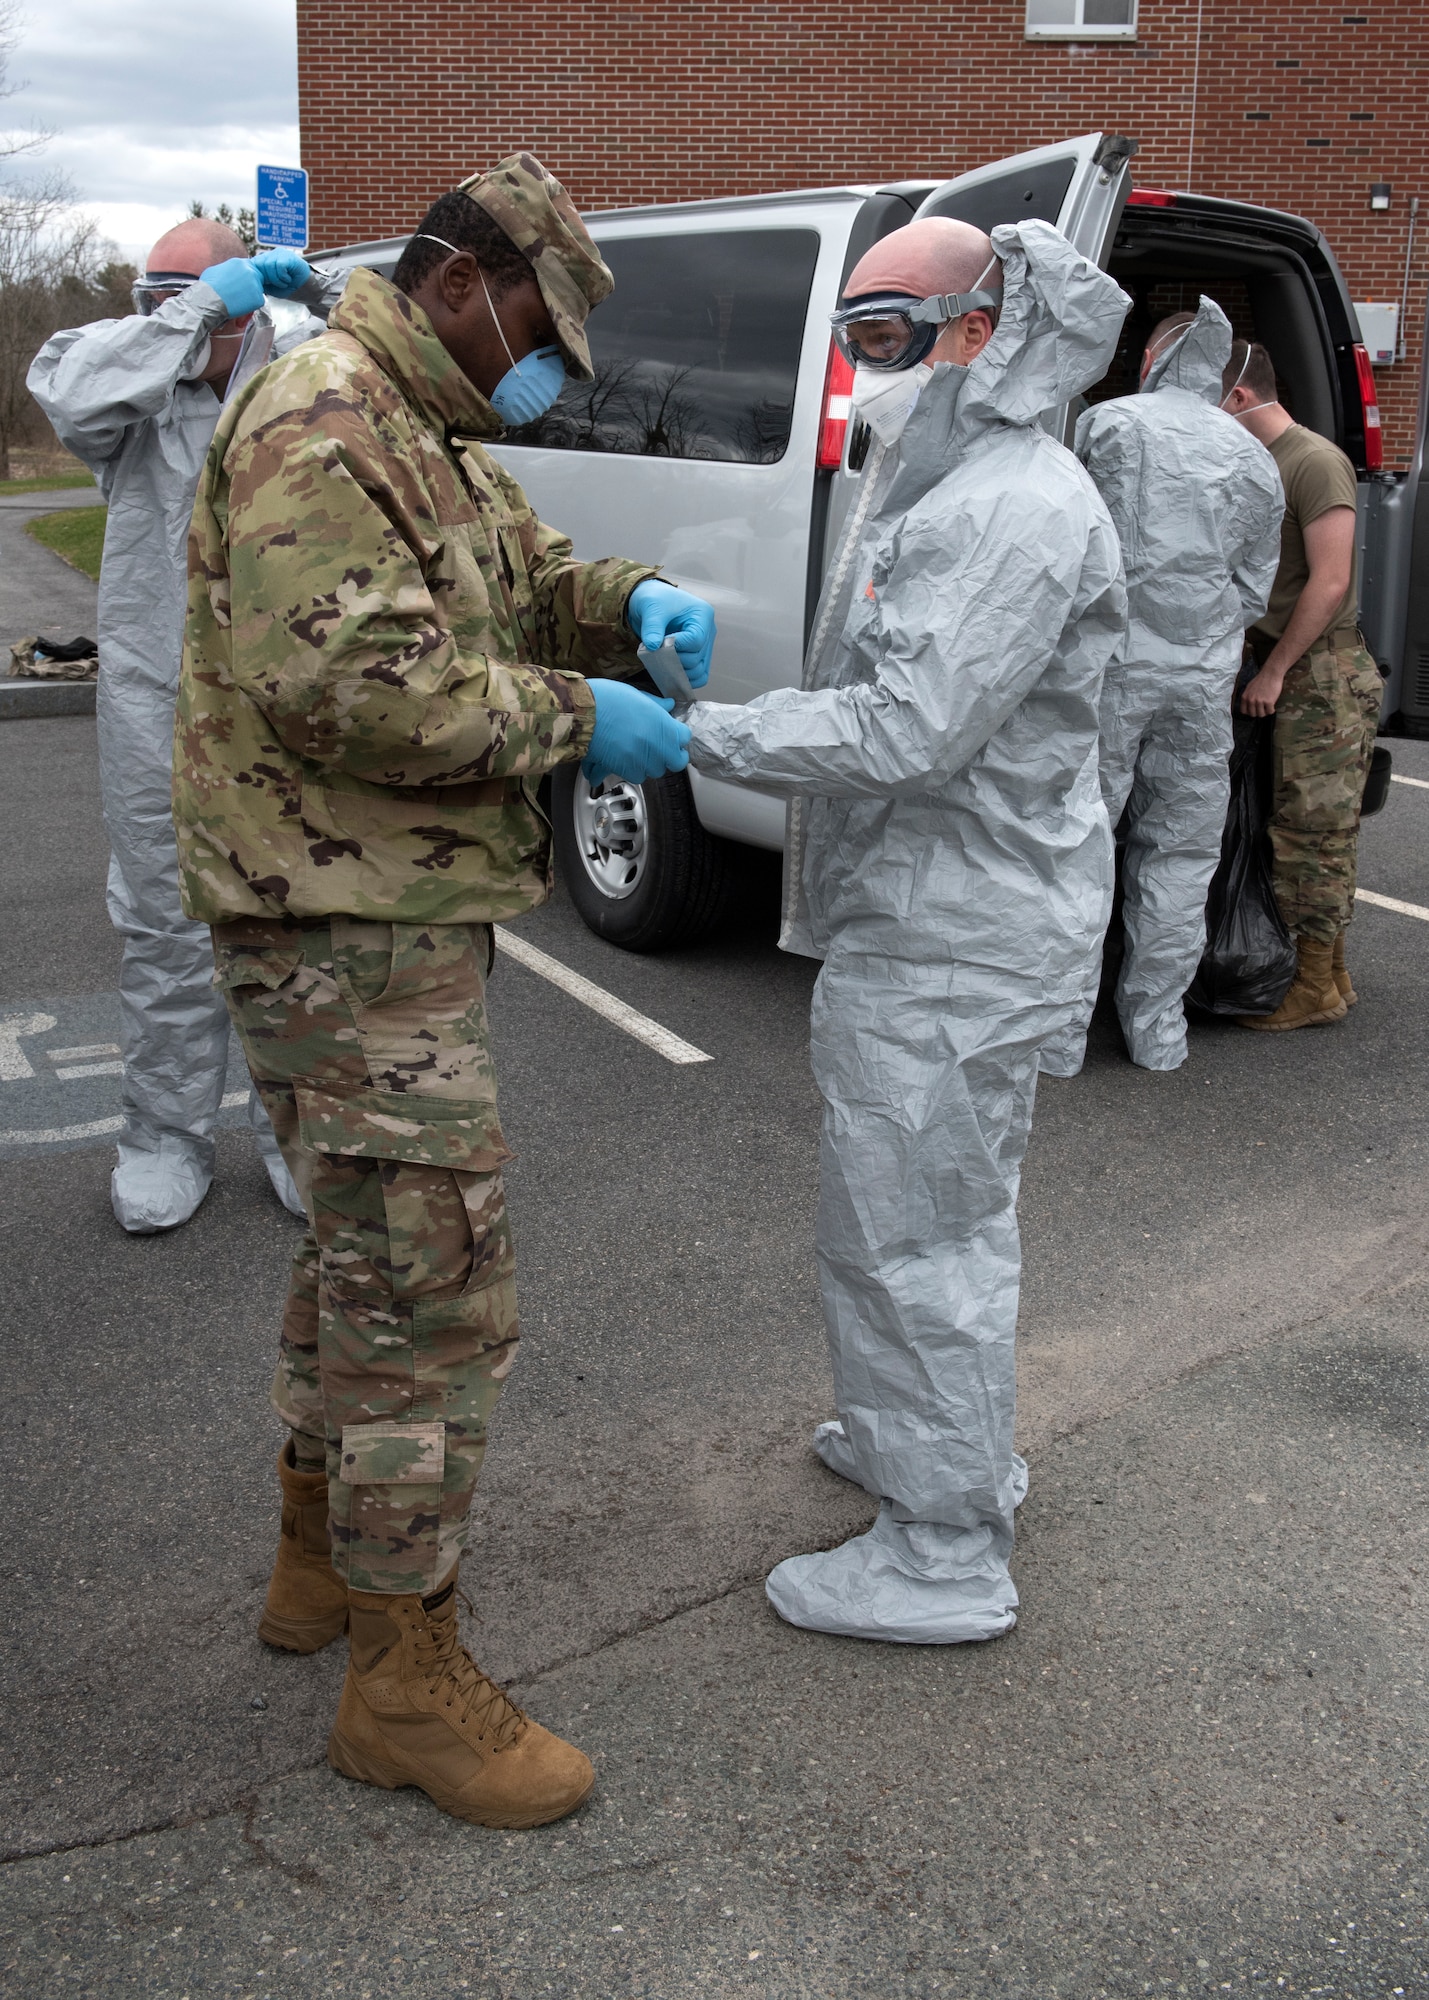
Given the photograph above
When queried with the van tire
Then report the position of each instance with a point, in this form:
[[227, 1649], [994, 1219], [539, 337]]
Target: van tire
[[684, 888]]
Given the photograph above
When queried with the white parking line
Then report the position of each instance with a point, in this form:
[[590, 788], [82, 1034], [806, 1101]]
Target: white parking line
[[67, 1072], [599, 1001], [59, 1135], [98, 1128], [1393, 903], [1419, 784], [83, 1053]]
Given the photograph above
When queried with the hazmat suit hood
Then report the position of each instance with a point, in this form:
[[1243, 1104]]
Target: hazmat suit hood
[[1060, 322], [1196, 361]]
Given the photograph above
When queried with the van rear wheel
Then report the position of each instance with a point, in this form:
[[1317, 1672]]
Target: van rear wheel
[[638, 865]]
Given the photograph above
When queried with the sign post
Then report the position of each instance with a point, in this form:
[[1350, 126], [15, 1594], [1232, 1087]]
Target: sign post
[[282, 208]]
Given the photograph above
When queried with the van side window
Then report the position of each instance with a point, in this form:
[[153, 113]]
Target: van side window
[[696, 351]]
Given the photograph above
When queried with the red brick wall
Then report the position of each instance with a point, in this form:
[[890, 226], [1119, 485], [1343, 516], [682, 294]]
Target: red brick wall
[[1298, 106]]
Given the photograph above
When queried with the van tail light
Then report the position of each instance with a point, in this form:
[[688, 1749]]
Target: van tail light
[[838, 402], [1369, 404], [1150, 198]]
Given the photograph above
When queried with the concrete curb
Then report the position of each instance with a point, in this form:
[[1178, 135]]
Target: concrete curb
[[20, 700]]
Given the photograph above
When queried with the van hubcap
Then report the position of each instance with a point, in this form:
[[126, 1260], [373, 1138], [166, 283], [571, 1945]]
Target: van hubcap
[[611, 829]]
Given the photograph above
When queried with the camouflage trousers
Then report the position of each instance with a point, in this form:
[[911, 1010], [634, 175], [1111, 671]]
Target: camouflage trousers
[[369, 1045], [1325, 723]]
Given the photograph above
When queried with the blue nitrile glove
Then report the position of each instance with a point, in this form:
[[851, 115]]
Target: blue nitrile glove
[[283, 272], [654, 609], [636, 737], [238, 284]]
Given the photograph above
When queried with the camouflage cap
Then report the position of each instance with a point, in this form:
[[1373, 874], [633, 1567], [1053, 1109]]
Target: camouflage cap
[[535, 211]]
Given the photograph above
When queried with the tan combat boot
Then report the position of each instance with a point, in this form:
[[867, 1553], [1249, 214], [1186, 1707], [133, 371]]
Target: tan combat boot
[[1313, 999], [1341, 972], [417, 1710], [307, 1600]]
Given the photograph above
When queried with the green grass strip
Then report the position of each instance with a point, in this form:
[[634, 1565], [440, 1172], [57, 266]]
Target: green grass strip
[[56, 483], [76, 536]]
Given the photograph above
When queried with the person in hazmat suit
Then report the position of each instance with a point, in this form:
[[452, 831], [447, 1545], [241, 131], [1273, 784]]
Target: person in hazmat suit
[[386, 651], [137, 400], [950, 861], [1197, 508]]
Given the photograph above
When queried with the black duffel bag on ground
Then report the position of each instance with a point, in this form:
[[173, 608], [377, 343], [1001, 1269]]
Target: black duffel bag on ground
[[1249, 960]]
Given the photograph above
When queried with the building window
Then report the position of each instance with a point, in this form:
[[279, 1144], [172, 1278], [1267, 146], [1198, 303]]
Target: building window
[[1081, 20]]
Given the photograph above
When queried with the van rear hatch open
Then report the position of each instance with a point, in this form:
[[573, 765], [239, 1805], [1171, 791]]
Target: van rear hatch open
[[1276, 278]]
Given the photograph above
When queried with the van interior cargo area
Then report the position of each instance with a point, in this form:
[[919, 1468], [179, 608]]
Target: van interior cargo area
[[1166, 258]]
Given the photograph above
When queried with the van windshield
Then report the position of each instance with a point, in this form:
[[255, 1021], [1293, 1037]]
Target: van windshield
[[696, 352]]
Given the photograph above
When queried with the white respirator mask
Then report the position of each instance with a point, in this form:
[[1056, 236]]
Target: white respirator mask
[[886, 401]]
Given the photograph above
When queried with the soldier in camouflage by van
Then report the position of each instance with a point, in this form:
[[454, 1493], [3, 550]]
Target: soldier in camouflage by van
[[1320, 682], [386, 650]]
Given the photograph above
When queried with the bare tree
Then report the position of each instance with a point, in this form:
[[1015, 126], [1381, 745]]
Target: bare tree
[[49, 277], [13, 144], [55, 270]]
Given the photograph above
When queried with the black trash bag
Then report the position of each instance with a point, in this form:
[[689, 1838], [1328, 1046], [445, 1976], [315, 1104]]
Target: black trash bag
[[1376, 784], [1249, 960]]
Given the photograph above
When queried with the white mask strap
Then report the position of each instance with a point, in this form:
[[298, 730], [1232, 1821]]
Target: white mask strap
[[1237, 382], [426, 236]]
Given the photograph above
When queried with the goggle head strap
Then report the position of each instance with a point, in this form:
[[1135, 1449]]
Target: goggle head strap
[[938, 310]]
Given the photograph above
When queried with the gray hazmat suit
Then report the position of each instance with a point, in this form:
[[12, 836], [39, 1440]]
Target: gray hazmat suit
[[122, 395], [1197, 504], [951, 863]]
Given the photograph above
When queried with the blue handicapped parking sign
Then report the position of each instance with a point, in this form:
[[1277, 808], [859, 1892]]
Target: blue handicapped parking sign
[[282, 208]]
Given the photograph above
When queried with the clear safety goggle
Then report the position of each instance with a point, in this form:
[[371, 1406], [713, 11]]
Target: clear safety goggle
[[893, 330], [150, 291]]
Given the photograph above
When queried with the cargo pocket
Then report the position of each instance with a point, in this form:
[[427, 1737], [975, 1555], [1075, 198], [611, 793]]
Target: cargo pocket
[[386, 1529], [439, 1162]]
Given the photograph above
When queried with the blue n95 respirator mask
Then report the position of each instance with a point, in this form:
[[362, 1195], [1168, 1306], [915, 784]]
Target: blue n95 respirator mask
[[529, 386]]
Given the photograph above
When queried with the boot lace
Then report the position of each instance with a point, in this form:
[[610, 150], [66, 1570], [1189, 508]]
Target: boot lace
[[442, 1659]]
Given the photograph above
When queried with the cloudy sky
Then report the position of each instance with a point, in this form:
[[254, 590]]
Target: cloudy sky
[[154, 104]]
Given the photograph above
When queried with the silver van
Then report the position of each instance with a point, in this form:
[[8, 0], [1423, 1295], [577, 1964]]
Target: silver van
[[716, 442]]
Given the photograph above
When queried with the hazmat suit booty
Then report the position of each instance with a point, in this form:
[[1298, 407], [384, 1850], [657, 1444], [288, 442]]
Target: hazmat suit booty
[[950, 861], [916, 1583], [160, 1180], [1197, 504], [417, 1710]]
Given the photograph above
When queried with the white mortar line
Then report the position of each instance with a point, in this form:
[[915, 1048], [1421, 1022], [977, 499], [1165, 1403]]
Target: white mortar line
[[617, 1012]]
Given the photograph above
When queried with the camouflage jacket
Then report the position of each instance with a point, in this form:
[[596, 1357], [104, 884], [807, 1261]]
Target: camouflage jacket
[[385, 648]]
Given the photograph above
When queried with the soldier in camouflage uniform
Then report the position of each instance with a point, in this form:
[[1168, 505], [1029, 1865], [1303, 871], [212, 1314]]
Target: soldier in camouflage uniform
[[1323, 688], [386, 650]]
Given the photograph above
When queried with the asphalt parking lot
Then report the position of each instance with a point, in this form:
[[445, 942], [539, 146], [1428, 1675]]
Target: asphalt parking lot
[[1197, 1766]]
